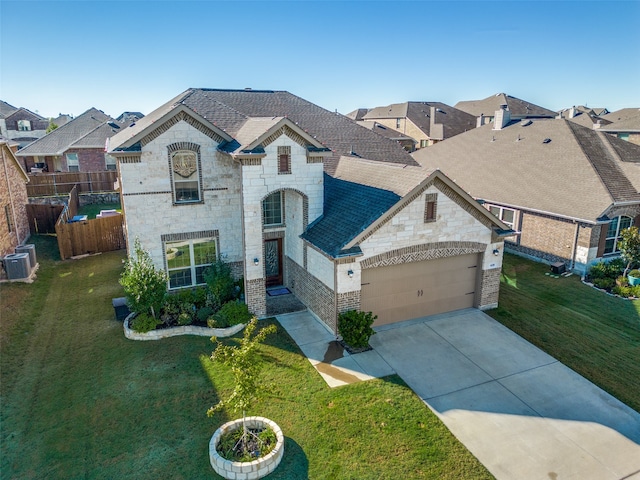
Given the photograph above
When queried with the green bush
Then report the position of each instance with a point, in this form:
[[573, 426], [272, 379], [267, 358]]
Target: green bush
[[204, 313], [598, 270], [634, 273], [220, 282], [232, 313], [622, 291], [355, 328], [185, 318], [616, 267], [635, 291], [604, 283], [144, 286], [143, 323]]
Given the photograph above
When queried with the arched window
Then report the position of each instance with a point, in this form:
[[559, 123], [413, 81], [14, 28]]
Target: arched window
[[186, 176], [272, 209], [613, 233]]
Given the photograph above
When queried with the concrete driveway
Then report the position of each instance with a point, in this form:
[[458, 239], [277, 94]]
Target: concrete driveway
[[522, 413]]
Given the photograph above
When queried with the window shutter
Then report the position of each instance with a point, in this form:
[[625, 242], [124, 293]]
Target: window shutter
[[603, 238], [284, 159]]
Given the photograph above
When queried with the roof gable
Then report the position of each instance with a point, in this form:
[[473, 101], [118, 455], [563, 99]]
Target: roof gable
[[517, 107], [8, 153]]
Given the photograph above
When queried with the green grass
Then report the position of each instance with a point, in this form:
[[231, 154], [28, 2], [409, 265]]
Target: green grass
[[79, 400], [595, 334], [94, 209]]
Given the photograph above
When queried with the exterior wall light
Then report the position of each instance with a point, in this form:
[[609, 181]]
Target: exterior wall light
[[350, 273], [256, 261], [496, 252]]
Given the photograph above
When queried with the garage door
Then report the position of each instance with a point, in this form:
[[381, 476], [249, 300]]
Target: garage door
[[412, 290]]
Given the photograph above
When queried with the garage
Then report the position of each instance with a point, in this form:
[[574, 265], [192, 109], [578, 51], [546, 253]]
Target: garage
[[411, 290]]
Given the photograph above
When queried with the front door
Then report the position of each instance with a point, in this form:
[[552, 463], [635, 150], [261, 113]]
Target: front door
[[273, 261]]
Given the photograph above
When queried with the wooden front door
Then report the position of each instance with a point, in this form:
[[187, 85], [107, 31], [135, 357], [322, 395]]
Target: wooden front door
[[273, 261]]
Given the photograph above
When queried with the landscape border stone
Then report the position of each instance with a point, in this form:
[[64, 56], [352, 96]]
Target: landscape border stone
[[177, 331]]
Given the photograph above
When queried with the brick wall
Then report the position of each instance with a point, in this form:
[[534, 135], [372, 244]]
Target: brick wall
[[89, 159], [319, 298], [348, 301], [489, 288], [15, 182], [255, 295]]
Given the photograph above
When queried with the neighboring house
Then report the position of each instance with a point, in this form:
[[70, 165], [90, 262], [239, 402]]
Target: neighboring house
[[290, 194], [426, 122], [406, 142], [14, 225], [567, 189], [624, 125], [584, 116], [20, 125], [484, 110], [77, 146], [127, 118]]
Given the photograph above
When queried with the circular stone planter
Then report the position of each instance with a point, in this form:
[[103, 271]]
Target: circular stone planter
[[258, 468], [175, 331]]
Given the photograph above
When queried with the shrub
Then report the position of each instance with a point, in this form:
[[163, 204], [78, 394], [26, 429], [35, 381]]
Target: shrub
[[604, 283], [220, 282], [355, 327], [185, 318], [634, 273], [622, 281], [622, 291], [232, 313], [143, 323], [204, 313], [635, 291], [144, 286]]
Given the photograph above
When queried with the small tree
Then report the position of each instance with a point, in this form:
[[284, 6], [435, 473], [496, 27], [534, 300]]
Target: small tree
[[144, 286], [51, 127], [245, 367], [629, 247]]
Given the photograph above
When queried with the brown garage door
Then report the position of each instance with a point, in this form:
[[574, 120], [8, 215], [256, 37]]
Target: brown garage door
[[412, 290]]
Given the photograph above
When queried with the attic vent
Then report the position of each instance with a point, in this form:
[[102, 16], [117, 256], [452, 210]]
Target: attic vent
[[525, 122], [493, 138], [439, 110], [113, 125], [546, 140]]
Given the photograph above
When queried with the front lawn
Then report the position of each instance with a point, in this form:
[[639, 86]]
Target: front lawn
[[595, 334], [79, 400]]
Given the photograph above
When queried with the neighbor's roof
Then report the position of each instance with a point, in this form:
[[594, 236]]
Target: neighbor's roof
[[517, 107], [622, 114], [385, 131], [357, 114], [586, 119], [578, 173], [90, 124], [629, 124], [6, 109], [229, 110]]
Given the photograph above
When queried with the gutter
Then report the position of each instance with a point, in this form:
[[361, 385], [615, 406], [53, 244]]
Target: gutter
[[543, 212]]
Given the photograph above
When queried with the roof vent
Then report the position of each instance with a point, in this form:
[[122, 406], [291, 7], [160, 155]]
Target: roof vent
[[546, 140], [248, 89], [439, 110], [518, 139], [525, 122], [113, 125]]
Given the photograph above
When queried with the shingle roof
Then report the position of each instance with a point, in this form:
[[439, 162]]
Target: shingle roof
[[629, 124], [517, 107], [357, 114], [384, 131], [578, 174], [62, 138], [587, 120], [622, 114], [6, 109], [230, 109], [364, 204]]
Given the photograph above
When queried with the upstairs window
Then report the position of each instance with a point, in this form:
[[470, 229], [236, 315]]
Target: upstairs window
[[272, 208], [72, 162], [508, 217], [110, 162], [616, 226], [24, 125], [430, 207], [284, 160], [398, 122], [186, 177]]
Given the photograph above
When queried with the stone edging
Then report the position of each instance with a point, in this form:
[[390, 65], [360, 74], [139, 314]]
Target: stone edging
[[176, 331], [589, 284], [246, 470]]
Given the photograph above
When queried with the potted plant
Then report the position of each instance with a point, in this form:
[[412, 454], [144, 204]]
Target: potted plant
[[251, 446], [634, 277]]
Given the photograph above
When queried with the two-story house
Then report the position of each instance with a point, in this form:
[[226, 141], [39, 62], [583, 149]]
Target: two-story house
[[274, 185], [14, 224]]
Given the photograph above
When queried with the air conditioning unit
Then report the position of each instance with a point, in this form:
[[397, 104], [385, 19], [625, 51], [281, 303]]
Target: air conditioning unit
[[29, 248], [17, 266]]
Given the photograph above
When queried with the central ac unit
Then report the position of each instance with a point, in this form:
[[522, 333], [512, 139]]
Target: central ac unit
[[17, 266], [29, 248]]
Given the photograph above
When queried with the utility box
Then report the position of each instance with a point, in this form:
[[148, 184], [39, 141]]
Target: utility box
[[29, 248], [121, 308], [558, 268], [17, 266]]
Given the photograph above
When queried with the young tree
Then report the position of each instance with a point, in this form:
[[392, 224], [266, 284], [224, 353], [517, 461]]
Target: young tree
[[629, 247], [245, 366], [144, 286], [52, 126]]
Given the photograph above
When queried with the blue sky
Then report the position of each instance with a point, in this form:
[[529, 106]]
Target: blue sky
[[135, 55]]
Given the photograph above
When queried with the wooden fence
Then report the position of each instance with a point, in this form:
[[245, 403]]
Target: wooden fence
[[47, 184], [43, 218], [90, 236]]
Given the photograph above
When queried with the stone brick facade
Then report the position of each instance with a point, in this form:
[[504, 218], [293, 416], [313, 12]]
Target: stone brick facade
[[256, 296], [14, 223], [489, 289], [317, 296]]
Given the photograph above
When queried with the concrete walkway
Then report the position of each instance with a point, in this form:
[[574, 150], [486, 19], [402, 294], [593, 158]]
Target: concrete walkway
[[522, 413]]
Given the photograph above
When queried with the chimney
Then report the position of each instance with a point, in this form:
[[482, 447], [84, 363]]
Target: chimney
[[572, 112], [502, 118], [436, 130], [480, 120]]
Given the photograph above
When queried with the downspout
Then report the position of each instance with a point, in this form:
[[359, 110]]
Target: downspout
[[13, 210], [335, 295], [575, 247]]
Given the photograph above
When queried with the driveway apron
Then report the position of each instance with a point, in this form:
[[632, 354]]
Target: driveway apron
[[522, 413]]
